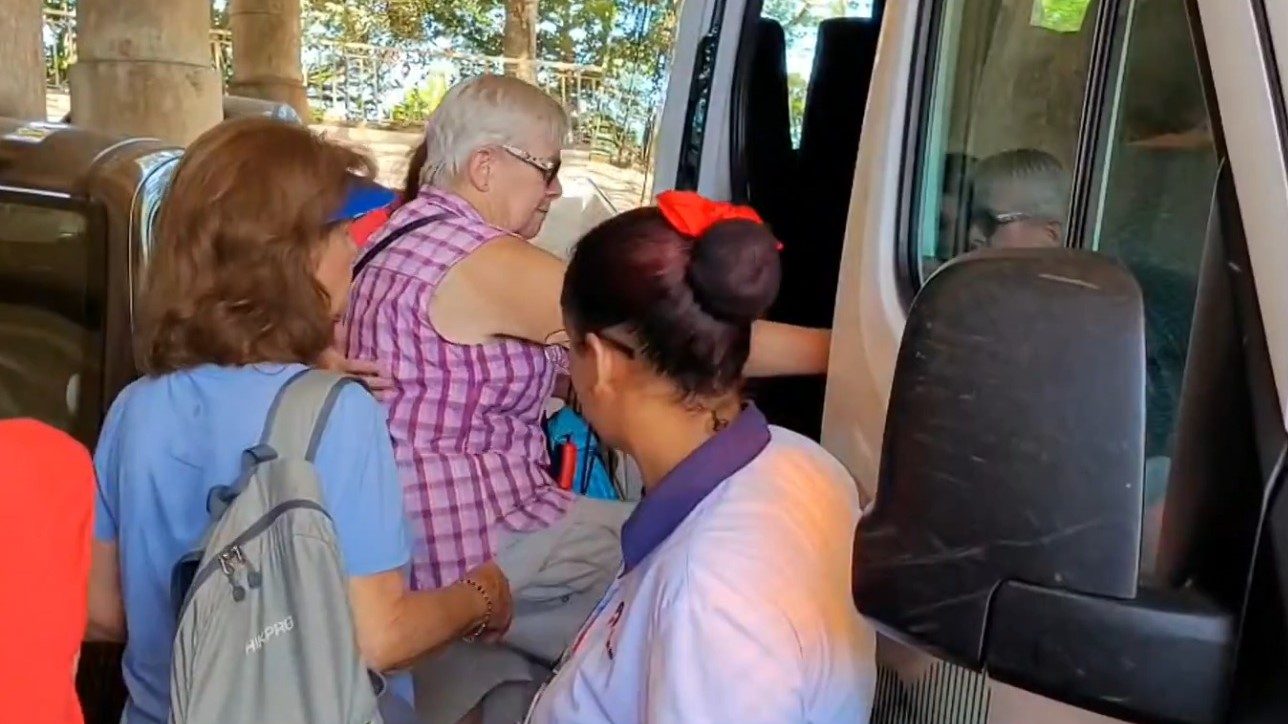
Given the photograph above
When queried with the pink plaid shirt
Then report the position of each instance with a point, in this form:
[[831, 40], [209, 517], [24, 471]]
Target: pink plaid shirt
[[465, 419]]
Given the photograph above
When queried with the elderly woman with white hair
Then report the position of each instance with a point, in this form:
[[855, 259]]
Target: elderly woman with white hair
[[460, 308]]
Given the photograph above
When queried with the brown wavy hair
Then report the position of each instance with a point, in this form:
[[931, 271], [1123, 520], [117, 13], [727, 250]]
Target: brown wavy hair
[[231, 280]]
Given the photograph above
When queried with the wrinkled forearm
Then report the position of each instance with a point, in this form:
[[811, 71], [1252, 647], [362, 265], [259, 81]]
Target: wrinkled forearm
[[783, 349], [421, 623]]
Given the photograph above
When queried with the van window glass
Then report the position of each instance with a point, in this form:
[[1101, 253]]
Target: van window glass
[[800, 20], [1152, 189], [1003, 115], [50, 313], [1003, 107]]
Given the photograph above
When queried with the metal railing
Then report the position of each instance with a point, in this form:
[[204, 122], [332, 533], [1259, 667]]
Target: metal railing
[[359, 83]]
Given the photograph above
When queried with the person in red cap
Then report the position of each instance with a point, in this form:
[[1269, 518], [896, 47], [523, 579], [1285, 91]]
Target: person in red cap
[[45, 522]]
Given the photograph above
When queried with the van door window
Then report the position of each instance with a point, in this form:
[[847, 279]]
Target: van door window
[[1152, 186], [1003, 109], [995, 167], [51, 307]]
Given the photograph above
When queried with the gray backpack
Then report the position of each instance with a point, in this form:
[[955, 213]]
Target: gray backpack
[[265, 633]]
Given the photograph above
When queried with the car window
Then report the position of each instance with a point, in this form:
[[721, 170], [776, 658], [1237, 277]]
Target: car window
[[1001, 127], [50, 313], [1003, 109], [1152, 184]]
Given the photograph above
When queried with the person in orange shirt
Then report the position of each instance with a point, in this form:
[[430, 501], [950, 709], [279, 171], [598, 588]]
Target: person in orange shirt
[[47, 481]]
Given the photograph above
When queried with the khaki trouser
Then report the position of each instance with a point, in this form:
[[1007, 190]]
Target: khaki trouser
[[557, 576]]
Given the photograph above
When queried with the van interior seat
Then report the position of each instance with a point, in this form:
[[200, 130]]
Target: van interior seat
[[834, 107], [771, 159], [819, 200]]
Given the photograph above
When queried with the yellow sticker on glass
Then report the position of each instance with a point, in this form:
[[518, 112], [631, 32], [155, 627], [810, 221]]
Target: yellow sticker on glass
[[1062, 16]]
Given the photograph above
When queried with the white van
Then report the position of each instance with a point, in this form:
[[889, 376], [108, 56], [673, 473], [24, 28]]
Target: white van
[[1124, 555]]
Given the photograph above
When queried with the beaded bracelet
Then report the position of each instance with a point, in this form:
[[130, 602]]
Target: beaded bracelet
[[487, 609]]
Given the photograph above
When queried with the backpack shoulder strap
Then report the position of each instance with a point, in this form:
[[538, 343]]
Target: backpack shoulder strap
[[293, 429], [300, 412], [372, 251]]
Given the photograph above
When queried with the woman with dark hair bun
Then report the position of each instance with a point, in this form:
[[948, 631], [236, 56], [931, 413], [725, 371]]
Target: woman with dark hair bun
[[734, 600]]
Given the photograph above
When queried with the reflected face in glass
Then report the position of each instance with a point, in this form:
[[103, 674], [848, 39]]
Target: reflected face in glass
[[1012, 231]]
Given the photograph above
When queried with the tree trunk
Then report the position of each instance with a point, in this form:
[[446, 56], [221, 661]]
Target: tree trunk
[[266, 52], [519, 43], [143, 69], [22, 82]]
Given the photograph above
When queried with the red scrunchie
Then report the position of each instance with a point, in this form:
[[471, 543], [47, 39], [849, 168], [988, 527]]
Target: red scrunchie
[[692, 214]]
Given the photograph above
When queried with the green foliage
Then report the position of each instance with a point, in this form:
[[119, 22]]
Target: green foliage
[[797, 86], [1064, 16], [420, 101], [628, 40]]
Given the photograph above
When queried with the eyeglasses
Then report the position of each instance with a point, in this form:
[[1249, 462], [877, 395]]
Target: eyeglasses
[[548, 168], [987, 223], [561, 337]]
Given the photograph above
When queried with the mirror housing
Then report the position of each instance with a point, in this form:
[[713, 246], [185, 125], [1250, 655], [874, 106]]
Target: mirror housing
[[1014, 446]]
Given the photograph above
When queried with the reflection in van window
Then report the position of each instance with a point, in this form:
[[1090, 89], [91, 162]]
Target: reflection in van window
[[158, 170], [1019, 199], [49, 320], [1155, 174], [1006, 95], [1004, 111]]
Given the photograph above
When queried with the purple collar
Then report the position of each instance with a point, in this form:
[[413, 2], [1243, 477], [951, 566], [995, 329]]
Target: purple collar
[[680, 491]]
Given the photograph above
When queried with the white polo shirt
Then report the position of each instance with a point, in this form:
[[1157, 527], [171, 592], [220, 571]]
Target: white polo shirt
[[734, 604]]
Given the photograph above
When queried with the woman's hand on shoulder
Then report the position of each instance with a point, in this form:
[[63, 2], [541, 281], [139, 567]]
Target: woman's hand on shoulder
[[371, 373]]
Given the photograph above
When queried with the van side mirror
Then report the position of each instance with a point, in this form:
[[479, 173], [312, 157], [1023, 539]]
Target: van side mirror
[[1014, 445], [1005, 535]]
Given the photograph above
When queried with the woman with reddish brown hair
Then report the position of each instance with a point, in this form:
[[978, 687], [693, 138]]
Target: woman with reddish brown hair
[[250, 274]]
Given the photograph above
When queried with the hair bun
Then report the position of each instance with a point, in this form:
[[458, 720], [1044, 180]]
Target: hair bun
[[734, 270]]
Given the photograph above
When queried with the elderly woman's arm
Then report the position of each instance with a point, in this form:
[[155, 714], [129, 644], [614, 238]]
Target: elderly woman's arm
[[511, 288], [783, 349], [396, 625]]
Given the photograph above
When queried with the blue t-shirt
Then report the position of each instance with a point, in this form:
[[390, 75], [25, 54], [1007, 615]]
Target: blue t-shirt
[[168, 440]]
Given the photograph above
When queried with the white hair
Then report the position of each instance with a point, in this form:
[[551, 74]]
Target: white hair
[[486, 110], [1023, 180]]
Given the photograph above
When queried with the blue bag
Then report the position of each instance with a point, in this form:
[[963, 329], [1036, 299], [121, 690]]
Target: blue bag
[[590, 476]]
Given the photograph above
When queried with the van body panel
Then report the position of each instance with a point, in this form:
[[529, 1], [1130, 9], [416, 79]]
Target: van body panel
[[694, 25], [869, 315], [1248, 86]]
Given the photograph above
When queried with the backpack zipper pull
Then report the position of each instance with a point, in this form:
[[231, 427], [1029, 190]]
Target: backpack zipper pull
[[225, 565], [253, 577]]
